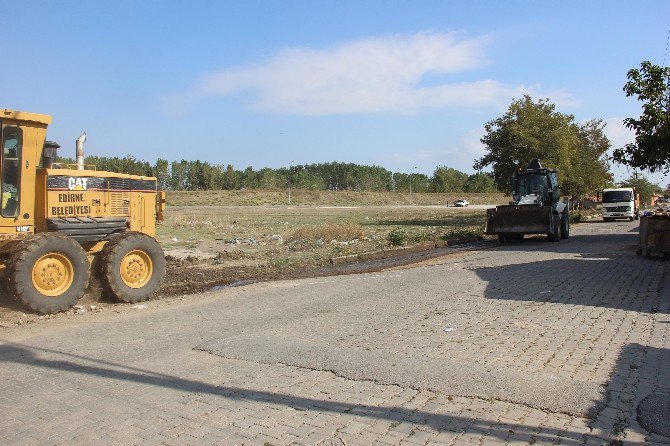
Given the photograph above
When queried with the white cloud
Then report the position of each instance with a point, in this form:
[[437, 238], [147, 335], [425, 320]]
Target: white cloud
[[618, 134], [377, 74]]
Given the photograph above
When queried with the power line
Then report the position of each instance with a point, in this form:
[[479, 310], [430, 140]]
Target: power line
[[667, 42]]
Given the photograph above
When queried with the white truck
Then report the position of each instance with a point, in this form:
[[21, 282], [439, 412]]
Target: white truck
[[623, 202]]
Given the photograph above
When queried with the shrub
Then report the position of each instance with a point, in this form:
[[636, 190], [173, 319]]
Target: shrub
[[397, 237], [576, 217], [420, 237], [463, 233]]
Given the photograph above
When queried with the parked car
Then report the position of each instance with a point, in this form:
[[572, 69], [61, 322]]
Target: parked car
[[461, 203]]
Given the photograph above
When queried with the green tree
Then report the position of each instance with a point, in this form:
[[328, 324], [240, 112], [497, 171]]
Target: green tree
[[162, 173], [448, 179], [589, 167], [531, 130], [479, 182], [179, 175], [651, 149], [231, 178], [643, 187]]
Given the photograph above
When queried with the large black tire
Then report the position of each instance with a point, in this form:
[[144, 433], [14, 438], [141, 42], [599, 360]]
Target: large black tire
[[48, 272], [556, 236], [132, 266], [565, 224], [608, 219]]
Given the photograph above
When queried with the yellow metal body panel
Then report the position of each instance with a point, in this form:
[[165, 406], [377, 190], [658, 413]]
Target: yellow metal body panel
[[60, 193], [91, 193]]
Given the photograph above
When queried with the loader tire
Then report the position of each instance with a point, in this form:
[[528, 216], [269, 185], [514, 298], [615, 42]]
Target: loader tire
[[48, 273], [556, 236], [565, 225], [132, 267]]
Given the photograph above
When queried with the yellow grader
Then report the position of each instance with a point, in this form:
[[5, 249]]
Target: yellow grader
[[55, 217]]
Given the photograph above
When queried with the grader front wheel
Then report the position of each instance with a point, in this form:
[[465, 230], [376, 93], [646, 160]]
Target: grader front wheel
[[133, 267], [48, 273]]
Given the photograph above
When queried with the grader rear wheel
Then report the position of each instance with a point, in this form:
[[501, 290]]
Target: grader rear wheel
[[132, 266], [48, 273]]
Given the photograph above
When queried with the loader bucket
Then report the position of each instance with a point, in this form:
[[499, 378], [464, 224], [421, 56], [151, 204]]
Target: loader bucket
[[512, 219]]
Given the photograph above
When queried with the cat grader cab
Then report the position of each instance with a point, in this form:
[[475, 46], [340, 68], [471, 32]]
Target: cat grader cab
[[55, 217]]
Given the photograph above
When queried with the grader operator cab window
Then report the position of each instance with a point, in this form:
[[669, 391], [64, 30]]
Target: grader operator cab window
[[12, 139]]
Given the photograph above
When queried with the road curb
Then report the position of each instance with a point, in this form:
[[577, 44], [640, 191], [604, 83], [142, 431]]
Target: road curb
[[397, 252]]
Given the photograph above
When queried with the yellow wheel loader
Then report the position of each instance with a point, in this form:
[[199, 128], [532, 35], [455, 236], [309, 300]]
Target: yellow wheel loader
[[55, 219]]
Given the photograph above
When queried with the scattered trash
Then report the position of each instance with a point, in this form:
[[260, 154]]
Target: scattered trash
[[448, 329], [139, 307], [545, 292], [174, 239]]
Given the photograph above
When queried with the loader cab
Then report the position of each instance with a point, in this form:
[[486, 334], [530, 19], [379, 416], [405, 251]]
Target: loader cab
[[540, 182], [532, 183]]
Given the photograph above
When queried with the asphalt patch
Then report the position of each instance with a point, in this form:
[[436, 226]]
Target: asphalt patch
[[446, 376], [653, 413]]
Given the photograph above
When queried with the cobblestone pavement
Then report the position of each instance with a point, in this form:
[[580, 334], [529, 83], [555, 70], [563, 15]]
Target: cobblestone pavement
[[546, 343]]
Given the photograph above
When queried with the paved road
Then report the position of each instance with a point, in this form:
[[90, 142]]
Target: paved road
[[533, 343]]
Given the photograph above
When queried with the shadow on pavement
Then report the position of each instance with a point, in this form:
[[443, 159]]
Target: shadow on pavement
[[75, 364], [640, 380], [605, 244], [603, 270]]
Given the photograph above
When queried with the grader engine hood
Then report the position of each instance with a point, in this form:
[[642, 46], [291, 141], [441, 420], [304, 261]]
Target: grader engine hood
[[89, 207]]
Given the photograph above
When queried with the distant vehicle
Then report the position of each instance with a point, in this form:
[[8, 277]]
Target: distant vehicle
[[623, 202], [461, 203]]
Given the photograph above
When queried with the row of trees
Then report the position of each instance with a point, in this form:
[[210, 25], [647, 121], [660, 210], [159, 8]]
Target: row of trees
[[201, 175]]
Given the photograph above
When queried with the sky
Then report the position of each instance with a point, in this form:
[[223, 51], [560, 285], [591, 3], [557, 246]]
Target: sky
[[407, 85]]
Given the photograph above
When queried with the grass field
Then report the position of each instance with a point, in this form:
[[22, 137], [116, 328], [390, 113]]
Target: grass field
[[256, 232], [200, 226], [254, 197]]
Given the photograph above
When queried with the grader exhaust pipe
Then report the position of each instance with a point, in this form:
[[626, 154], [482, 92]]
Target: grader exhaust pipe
[[80, 151]]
